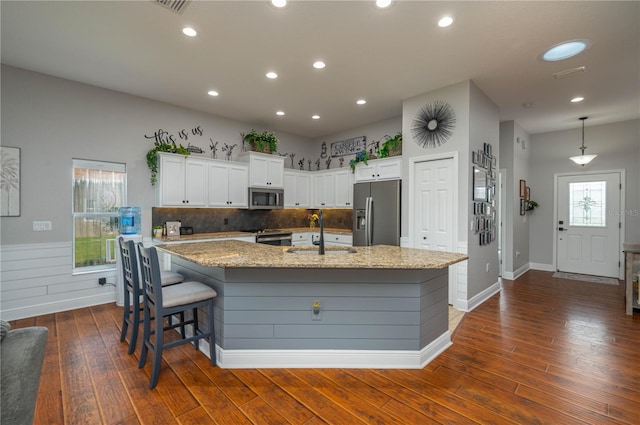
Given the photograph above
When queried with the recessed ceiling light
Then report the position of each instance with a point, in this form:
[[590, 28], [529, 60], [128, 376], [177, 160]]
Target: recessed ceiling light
[[271, 75], [577, 99], [361, 101], [212, 93], [279, 3], [315, 117], [565, 50], [527, 105], [445, 22], [280, 113], [383, 4], [319, 65], [189, 31]]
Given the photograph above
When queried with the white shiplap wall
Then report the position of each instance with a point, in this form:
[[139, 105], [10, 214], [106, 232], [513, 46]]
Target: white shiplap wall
[[37, 279]]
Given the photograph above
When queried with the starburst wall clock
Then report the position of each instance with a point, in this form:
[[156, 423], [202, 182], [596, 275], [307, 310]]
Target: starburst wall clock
[[433, 124]]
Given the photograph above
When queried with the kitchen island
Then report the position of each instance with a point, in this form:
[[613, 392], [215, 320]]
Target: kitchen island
[[377, 307]]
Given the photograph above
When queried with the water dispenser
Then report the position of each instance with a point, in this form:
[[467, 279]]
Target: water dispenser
[[130, 220]]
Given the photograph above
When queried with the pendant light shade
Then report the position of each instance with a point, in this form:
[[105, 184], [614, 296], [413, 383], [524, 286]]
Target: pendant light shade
[[582, 159]]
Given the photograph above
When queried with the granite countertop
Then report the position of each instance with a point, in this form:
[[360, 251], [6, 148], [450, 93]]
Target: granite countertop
[[631, 247], [236, 234], [239, 254]]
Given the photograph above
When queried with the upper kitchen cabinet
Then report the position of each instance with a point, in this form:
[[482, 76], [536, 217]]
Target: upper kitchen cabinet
[[297, 185], [343, 188], [227, 182], [379, 169], [264, 170], [181, 181], [324, 189]]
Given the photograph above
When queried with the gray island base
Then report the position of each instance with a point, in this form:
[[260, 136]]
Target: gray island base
[[380, 307]]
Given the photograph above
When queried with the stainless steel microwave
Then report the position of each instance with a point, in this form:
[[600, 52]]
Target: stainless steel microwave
[[265, 199]]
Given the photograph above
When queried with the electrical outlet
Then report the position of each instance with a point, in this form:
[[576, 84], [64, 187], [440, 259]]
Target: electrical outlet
[[487, 267], [41, 226], [102, 281]]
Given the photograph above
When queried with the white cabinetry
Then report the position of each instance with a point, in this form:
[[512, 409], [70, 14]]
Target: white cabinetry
[[301, 239], [333, 239], [379, 169], [264, 170], [297, 189], [324, 195], [182, 181], [228, 184], [343, 189]]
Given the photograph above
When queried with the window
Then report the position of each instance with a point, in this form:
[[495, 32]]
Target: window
[[99, 189], [587, 202]]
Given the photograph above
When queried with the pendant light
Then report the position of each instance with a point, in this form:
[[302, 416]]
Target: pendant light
[[582, 159]]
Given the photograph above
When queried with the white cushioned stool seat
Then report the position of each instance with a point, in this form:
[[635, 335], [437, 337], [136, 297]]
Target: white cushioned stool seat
[[167, 277], [186, 293]]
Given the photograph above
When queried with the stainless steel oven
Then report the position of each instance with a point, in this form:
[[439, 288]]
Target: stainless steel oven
[[274, 238]]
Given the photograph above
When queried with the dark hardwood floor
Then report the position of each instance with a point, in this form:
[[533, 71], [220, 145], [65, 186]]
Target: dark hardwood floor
[[543, 351]]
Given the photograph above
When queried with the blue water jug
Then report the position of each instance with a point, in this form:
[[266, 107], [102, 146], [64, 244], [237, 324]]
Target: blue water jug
[[130, 220]]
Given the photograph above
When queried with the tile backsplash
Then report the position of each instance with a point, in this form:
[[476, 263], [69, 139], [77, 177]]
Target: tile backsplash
[[206, 220]]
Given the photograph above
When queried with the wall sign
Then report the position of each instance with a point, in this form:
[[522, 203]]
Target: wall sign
[[9, 182], [349, 146]]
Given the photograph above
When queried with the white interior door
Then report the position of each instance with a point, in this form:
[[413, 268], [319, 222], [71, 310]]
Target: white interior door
[[588, 238], [433, 207]]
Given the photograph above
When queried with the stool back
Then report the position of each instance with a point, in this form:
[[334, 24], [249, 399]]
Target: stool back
[[129, 265], [151, 281]]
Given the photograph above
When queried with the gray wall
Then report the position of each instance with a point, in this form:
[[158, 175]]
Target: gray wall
[[54, 120], [515, 155], [617, 146]]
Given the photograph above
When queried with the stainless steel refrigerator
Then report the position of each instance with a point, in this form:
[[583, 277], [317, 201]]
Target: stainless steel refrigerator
[[376, 213]]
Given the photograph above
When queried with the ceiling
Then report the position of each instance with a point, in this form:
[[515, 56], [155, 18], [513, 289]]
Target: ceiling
[[383, 56]]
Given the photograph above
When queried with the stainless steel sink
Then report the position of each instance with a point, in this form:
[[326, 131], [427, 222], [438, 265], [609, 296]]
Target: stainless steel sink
[[328, 250]]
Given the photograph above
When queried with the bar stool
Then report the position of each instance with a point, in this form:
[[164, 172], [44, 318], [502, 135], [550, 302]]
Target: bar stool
[[133, 290], [161, 302]]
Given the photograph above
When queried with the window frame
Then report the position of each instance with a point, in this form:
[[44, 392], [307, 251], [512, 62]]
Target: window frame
[[102, 166]]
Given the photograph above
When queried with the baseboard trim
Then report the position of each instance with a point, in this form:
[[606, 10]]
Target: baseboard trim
[[353, 359], [480, 298], [542, 267], [517, 273]]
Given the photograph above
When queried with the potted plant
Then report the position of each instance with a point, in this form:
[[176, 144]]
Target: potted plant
[[531, 205], [361, 156], [391, 147], [261, 142], [152, 156]]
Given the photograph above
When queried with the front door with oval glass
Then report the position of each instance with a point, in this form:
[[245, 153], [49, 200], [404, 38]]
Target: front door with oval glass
[[588, 231]]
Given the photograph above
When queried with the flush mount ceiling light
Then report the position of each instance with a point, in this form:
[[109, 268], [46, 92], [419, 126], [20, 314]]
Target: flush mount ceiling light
[[280, 113], [271, 75], [190, 32], [445, 22], [577, 99], [213, 93], [383, 4], [361, 101], [278, 3], [582, 159], [315, 117], [565, 50], [319, 65]]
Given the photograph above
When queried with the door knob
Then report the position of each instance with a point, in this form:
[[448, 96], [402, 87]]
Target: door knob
[[561, 229]]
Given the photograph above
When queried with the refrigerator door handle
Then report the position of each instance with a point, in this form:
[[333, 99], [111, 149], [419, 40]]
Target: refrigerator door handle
[[368, 215]]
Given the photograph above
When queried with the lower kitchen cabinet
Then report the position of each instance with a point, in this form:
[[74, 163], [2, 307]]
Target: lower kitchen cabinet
[[333, 239], [301, 239]]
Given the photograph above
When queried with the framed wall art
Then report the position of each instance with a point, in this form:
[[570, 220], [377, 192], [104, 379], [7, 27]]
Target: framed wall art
[[523, 188], [9, 181]]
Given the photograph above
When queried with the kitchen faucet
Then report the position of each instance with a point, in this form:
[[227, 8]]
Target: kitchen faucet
[[320, 242]]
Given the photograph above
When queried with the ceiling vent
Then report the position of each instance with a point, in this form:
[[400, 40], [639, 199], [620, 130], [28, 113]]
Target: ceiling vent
[[178, 6], [568, 72]]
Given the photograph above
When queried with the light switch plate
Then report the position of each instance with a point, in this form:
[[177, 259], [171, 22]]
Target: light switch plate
[[41, 226]]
